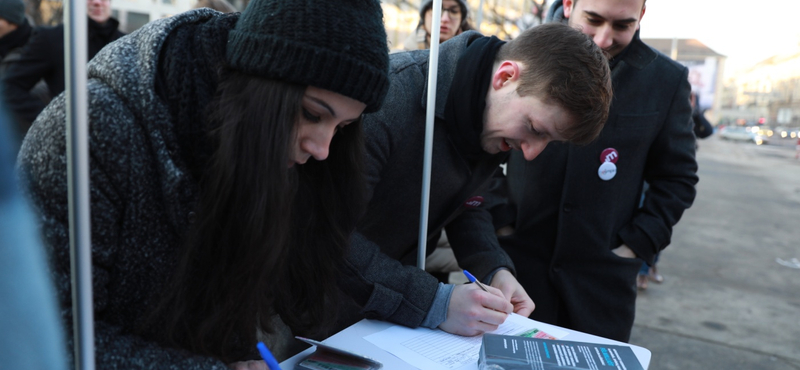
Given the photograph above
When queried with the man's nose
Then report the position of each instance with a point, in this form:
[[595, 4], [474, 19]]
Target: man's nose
[[532, 149], [603, 37]]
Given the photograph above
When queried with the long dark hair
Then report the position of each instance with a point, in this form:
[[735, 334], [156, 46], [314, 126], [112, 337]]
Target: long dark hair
[[268, 239]]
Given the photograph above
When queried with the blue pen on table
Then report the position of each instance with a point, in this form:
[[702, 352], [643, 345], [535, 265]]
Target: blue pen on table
[[472, 279], [272, 363]]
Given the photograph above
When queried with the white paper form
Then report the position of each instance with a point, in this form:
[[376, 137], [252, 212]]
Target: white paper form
[[434, 349]]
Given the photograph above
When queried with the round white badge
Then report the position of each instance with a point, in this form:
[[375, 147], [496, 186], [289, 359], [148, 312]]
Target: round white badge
[[607, 171]]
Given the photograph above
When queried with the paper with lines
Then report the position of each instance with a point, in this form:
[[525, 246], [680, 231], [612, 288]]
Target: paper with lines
[[431, 349]]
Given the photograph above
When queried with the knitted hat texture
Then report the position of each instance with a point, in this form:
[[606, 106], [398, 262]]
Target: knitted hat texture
[[13, 11], [337, 45]]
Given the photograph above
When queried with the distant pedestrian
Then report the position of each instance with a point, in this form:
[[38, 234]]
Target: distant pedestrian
[[43, 59], [797, 150]]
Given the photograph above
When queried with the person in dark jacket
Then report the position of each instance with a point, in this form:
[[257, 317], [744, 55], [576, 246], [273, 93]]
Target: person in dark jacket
[[43, 59], [574, 215], [491, 97], [15, 30], [226, 175], [14, 27]]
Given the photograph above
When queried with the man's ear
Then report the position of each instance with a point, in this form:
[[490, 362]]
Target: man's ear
[[508, 71], [568, 4], [639, 24]]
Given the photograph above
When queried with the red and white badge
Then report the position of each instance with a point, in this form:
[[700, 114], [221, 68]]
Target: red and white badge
[[608, 168], [474, 202], [609, 155]]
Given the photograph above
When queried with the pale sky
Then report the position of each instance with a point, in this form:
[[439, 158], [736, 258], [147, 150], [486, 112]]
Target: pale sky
[[746, 31]]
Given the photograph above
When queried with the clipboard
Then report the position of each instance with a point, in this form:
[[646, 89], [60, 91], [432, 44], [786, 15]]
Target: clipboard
[[326, 357]]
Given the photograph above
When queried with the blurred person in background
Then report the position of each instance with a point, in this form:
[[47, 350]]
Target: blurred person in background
[[14, 27], [15, 30], [572, 215], [455, 19], [226, 177], [797, 153], [43, 59], [31, 336]]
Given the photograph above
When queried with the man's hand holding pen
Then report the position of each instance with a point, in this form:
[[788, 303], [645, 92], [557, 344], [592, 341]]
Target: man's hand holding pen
[[508, 284], [473, 311]]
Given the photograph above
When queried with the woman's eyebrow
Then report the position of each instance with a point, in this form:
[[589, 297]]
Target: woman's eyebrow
[[323, 104]]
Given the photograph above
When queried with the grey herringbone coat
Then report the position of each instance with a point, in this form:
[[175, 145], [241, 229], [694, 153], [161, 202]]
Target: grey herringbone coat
[[142, 196]]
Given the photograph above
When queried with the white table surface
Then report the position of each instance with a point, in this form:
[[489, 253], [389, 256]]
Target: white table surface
[[352, 339]]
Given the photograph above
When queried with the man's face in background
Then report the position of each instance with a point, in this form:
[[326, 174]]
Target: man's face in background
[[610, 23]]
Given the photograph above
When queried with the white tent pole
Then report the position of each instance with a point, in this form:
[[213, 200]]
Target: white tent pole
[[75, 59], [433, 69], [479, 17]]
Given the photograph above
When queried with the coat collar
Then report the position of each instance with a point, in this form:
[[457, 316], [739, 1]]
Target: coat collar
[[638, 55], [449, 53]]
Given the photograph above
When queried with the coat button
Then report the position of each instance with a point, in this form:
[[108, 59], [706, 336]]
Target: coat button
[[191, 217]]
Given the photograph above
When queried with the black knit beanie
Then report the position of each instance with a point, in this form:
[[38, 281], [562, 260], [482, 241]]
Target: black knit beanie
[[13, 11], [337, 45]]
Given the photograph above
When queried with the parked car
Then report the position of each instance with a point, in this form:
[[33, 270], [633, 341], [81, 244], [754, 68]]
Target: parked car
[[743, 134]]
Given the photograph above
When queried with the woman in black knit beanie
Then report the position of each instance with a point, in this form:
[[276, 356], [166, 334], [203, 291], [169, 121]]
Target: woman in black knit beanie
[[226, 177]]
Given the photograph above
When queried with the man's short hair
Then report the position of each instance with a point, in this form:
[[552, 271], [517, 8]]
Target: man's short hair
[[562, 66]]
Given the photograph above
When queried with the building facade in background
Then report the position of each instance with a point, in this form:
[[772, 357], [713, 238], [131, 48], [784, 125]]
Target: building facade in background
[[705, 70], [771, 88]]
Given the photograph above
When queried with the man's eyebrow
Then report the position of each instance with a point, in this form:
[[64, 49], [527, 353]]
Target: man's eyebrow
[[323, 104], [595, 15]]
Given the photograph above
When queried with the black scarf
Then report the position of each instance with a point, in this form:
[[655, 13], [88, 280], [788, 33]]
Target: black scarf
[[187, 80], [15, 39], [104, 32], [463, 113]]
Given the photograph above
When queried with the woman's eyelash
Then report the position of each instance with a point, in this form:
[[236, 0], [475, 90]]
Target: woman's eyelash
[[310, 116]]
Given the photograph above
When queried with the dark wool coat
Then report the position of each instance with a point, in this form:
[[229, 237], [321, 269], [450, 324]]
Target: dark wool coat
[[43, 59], [142, 195], [381, 274], [568, 220]]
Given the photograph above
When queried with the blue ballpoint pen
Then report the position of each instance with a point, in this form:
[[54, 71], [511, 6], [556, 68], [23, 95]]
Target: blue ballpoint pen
[[272, 363], [472, 279]]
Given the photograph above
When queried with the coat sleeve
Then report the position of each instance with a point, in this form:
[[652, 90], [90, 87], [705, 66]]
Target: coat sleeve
[[384, 287], [42, 166], [34, 64], [474, 242], [497, 201], [671, 172]]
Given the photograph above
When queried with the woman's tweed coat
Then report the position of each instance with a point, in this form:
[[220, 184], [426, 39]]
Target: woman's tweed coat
[[141, 191]]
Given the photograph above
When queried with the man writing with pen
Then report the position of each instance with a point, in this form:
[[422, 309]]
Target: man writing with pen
[[552, 83]]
